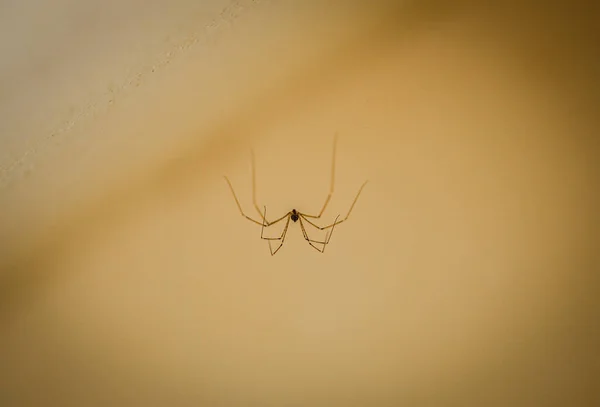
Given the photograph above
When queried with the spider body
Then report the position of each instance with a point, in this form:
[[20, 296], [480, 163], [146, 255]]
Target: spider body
[[294, 215]]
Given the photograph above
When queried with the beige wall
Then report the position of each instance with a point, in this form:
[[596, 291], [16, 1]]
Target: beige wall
[[465, 276]]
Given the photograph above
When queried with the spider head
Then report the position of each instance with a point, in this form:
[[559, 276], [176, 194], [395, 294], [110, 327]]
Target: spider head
[[294, 215]]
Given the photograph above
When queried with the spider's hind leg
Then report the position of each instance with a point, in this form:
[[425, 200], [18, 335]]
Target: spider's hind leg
[[281, 238], [312, 242]]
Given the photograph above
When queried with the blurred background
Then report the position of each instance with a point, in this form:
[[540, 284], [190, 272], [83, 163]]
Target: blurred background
[[467, 274]]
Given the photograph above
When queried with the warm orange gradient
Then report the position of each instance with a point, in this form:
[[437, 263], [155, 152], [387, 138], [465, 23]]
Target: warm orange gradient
[[466, 275]]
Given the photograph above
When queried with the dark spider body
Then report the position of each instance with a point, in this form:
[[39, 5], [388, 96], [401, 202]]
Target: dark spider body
[[294, 215]]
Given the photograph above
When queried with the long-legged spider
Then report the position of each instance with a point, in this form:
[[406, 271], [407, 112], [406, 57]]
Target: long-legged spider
[[295, 215]]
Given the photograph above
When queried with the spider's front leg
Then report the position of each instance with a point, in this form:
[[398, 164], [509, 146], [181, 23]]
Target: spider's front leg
[[305, 216]]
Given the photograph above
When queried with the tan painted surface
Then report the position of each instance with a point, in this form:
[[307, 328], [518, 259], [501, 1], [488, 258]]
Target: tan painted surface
[[466, 274]]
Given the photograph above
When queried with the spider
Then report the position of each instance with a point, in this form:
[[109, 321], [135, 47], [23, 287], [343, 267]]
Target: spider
[[295, 215]]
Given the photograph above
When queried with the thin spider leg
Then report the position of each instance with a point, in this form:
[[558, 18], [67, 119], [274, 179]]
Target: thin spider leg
[[305, 234], [329, 234], [240, 206], [306, 237], [310, 242], [321, 227], [281, 238], [272, 223], [253, 161], [355, 199], [332, 184], [278, 247], [277, 220], [327, 237], [340, 221]]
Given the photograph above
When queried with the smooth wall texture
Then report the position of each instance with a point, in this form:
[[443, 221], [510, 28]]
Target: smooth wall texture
[[465, 274]]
